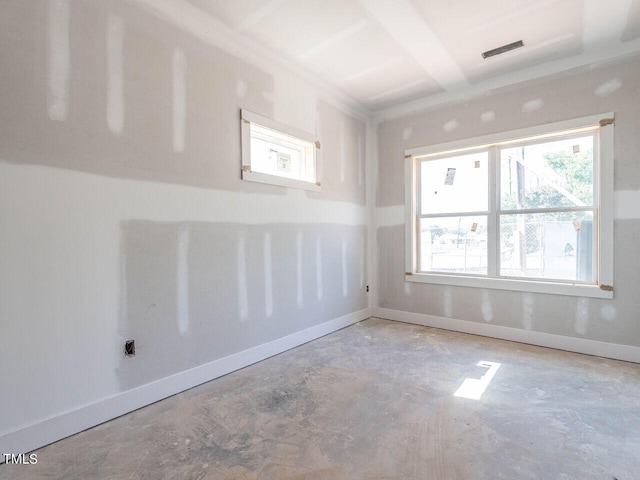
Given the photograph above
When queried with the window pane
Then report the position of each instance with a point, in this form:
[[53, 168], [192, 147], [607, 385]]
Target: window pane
[[282, 155], [547, 175], [455, 184], [274, 159], [547, 245], [453, 244]]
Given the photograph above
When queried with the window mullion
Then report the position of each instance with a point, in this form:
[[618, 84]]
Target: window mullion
[[525, 211], [416, 226], [492, 219], [453, 214]]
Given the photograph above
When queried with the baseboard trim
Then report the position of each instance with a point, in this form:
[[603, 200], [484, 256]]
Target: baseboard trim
[[56, 428], [571, 344]]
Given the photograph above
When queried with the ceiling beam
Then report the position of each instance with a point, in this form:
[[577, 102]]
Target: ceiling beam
[[265, 9], [407, 27], [604, 22], [335, 39], [540, 71]]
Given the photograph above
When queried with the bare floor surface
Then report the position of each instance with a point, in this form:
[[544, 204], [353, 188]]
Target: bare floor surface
[[376, 401]]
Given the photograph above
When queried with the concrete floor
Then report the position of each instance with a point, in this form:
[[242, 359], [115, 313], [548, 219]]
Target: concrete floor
[[376, 401]]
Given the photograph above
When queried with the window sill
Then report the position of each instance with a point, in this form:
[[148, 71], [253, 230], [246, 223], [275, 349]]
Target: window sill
[[279, 181], [553, 288]]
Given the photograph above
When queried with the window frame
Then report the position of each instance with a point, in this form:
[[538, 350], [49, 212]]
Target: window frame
[[248, 118], [603, 205]]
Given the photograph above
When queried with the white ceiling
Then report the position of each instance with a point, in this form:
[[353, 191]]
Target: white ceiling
[[383, 53]]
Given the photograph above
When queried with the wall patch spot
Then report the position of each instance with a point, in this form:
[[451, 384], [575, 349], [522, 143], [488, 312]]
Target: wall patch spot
[[268, 276], [447, 303], [182, 281], [450, 126], [488, 116], [299, 273], [179, 99], [361, 160], [58, 72], [532, 105], [487, 308], [582, 316], [115, 74], [343, 152], [608, 312], [345, 285], [319, 269], [607, 88], [241, 88], [527, 311], [406, 133], [243, 294]]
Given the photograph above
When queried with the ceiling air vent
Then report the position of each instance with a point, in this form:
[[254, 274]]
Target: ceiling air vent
[[503, 49]]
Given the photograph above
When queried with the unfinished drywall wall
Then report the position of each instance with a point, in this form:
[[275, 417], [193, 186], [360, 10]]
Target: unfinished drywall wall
[[123, 215], [124, 94], [600, 88], [203, 291]]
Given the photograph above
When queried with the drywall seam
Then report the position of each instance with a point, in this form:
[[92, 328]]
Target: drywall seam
[[182, 281], [115, 74], [626, 353], [69, 423], [59, 60], [124, 199], [179, 99], [268, 275]]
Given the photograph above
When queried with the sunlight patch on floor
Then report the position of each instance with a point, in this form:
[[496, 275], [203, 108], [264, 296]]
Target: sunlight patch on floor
[[473, 388]]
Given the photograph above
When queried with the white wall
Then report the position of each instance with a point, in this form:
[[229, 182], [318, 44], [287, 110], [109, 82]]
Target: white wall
[[122, 215]]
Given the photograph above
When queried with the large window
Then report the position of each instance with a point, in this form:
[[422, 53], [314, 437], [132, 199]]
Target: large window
[[528, 210], [278, 154]]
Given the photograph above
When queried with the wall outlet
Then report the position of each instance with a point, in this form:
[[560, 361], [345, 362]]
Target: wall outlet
[[130, 348]]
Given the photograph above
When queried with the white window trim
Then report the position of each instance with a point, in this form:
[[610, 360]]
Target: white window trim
[[603, 186], [247, 174]]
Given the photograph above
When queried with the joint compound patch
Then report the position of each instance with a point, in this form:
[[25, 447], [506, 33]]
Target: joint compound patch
[[488, 116], [532, 105], [450, 126], [608, 88]]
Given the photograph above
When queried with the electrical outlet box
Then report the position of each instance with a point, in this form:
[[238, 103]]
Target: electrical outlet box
[[130, 348]]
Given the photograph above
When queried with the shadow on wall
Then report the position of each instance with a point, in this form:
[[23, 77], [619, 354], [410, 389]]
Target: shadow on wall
[[196, 292]]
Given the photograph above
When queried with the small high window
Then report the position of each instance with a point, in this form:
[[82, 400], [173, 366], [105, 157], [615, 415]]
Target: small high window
[[529, 210], [277, 154]]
